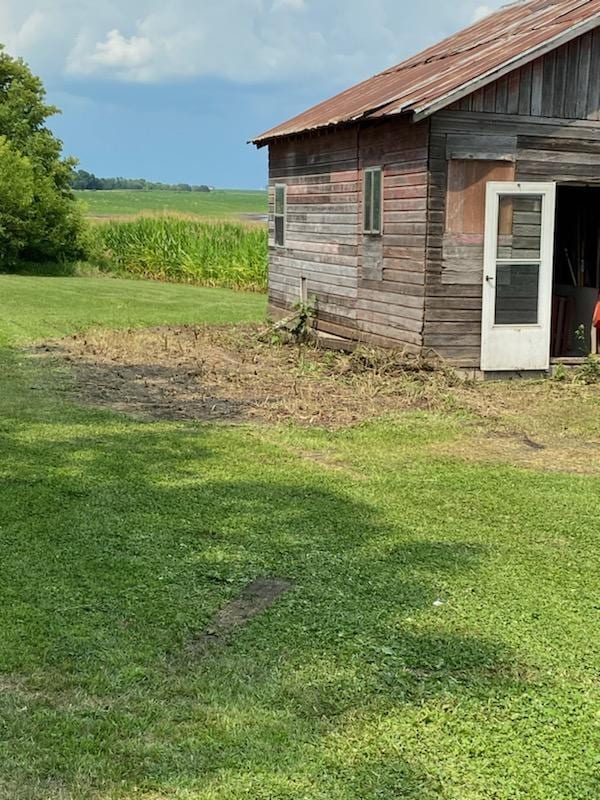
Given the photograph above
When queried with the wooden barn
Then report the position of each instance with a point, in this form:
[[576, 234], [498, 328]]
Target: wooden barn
[[452, 203]]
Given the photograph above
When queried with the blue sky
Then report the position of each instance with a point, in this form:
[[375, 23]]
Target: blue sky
[[170, 90]]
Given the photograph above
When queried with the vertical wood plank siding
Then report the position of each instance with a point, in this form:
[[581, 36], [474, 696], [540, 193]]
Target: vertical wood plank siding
[[563, 84], [547, 150], [370, 288]]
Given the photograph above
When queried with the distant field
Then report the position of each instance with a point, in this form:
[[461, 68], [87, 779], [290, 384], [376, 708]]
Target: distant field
[[219, 203]]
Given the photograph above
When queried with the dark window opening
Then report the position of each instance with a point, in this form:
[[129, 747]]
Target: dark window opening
[[373, 200], [517, 294], [280, 209]]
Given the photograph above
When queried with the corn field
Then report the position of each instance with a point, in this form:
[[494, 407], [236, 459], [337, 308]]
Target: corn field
[[227, 254]]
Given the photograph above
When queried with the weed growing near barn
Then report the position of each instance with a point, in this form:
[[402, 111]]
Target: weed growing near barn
[[439, 641]]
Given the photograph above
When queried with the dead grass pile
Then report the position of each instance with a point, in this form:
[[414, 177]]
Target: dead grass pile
[[239, 374], [232, 374]]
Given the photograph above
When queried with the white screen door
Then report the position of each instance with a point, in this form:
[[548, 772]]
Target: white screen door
[[517, 276]]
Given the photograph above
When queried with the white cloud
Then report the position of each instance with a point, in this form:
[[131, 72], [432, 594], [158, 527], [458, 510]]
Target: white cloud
[[239, 40], [118, 51], [22, 30], [481, 12], [247, 41], [127, 58]]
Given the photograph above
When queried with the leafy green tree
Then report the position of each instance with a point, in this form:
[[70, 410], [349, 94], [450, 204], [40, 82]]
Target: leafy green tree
[[16, 198], [86, 180], [41, 221]]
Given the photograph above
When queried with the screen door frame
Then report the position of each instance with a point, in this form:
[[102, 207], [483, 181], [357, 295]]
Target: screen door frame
[[521, 346]]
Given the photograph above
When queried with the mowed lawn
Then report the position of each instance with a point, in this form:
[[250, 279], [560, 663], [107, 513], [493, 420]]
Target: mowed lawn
[[33, 307], [440, 641], [218, 203]]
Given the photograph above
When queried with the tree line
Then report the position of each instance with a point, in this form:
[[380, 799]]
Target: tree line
[[87, 180]]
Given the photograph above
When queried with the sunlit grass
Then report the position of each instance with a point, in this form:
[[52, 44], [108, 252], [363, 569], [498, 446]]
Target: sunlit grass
[[33, 308], [440, 641]]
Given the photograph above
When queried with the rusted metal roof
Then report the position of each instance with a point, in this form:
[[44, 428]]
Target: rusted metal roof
[[448, 71]]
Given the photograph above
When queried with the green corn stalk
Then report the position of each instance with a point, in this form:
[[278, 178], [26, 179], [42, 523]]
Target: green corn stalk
[[167, 248]]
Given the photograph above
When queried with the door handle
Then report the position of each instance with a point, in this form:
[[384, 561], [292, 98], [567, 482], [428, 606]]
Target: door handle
[[489, 278]]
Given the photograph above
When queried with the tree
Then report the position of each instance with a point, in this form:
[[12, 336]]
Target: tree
[[16, 198], [86, 180], [41, 220]]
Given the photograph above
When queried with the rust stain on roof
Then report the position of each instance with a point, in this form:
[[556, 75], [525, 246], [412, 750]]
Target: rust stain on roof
[[515, 35]]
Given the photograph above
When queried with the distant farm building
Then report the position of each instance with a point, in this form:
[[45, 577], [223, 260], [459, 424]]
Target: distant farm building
[[452, 203]]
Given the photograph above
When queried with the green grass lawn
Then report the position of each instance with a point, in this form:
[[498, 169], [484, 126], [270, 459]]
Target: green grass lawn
[[33, 307], [440, 642], [218, 203]]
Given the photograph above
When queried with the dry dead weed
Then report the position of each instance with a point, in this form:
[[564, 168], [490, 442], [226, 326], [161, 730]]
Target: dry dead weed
[[237, 374], [233, 374]]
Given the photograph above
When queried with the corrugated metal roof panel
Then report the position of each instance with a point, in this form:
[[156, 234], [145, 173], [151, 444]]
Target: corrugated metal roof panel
[[436, 77]]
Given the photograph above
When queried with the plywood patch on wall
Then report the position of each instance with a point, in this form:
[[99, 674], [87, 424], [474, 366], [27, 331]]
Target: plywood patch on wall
[[467, 179]]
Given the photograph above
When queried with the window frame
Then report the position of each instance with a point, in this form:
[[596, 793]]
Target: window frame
[[368, 228], [280, 215]]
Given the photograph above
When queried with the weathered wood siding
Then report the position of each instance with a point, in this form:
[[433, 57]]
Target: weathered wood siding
[[541, 123], [420, 283], [563, 84], [321, 243], [391, 289], [367, 287]]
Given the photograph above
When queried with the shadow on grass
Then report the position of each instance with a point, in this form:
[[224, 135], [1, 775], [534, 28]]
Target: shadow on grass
[[67, 269], [122, 540]]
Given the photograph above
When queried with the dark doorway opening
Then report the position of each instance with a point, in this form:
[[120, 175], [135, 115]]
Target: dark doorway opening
[[576, 270]]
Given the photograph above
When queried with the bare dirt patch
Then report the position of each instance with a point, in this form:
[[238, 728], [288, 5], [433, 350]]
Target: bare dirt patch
[[232, 375], [241, 374], [256, 598]]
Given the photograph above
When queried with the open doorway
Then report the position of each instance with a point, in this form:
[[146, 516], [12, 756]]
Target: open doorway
[[576, 271]]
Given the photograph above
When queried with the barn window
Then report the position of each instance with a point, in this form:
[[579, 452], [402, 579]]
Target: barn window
[[373, 200], [280, 206]]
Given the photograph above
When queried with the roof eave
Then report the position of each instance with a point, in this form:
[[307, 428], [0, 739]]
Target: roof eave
[[262, 141]]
